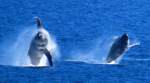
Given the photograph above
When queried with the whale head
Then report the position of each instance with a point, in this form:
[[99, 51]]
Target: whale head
[[38, 22], [42, 35], [124, 37]]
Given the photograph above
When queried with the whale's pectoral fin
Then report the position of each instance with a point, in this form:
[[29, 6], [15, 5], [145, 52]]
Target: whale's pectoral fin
[[134, 44], [49, 57]]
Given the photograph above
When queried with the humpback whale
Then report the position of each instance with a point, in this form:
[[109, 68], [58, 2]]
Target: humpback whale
[[38, 46], [119, 46]]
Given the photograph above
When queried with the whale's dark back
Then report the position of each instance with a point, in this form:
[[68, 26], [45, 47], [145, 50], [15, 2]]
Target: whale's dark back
[[118, 48]]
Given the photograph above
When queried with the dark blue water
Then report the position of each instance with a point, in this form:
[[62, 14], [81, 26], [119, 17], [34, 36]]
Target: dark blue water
[[82, 28]]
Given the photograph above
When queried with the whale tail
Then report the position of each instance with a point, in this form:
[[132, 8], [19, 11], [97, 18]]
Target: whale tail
[[38, 22]]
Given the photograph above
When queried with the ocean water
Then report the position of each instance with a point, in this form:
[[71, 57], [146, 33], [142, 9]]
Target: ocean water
[[83, 31]]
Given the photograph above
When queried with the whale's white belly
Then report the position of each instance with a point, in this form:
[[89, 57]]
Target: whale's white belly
[[35, 53]]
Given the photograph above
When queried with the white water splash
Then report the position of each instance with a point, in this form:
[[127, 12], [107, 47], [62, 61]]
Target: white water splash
[[17, 53], [96, 55], [99, 52]]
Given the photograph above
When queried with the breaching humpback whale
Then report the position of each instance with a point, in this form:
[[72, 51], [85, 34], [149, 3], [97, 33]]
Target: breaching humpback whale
[[118, 48], [38, 46]]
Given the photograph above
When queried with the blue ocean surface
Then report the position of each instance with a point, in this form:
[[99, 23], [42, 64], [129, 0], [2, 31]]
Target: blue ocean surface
[[83, 31]]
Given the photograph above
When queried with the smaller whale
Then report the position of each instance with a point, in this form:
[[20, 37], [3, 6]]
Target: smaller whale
[[39, 45], [119, 46]]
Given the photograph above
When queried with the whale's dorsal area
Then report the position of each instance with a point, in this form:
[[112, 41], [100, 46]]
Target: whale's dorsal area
[[118, 48]]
